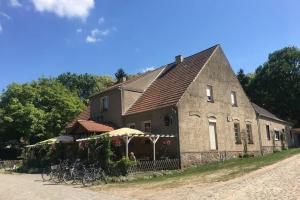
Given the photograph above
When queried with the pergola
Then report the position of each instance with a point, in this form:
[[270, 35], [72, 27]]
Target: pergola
[[127, 134]]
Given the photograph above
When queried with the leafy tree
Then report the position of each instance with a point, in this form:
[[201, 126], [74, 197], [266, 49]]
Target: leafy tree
[[37, 110], [120, 74], [276, 84], [85, 84]]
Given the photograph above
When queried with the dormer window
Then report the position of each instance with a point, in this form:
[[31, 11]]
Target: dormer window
[[209, 93], [233, 98], [104, 104]]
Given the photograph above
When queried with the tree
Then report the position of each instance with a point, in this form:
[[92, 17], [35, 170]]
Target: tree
[[120, 74], [276, 84], [85, 84], [243, 78], [37, 110]]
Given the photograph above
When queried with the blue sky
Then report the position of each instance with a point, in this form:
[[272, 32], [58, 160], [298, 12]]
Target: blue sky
[[46, 38]]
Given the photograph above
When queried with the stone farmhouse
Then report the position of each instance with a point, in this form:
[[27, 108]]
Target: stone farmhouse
[[199, 100]]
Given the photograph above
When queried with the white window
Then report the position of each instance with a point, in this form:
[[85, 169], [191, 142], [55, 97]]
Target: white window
[[209, 93], [212, 136], [104, 103], [131, 125], [233, 98], [276, 135], [147, 126]]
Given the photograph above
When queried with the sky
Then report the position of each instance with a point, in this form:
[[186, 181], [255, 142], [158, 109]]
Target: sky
[[50, 37]]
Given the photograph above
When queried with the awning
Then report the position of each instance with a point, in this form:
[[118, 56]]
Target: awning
[[60, 139]]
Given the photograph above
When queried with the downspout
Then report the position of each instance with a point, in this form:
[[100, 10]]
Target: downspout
[[259, 134], [175, 111]]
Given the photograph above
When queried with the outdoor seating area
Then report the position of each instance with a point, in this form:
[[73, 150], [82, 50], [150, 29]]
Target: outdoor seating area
[[148, 151]]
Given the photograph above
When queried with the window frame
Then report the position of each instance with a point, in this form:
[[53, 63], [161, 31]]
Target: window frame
[[276, 133], [249, 133], [146, 122], [129, 125], [102, 102], [233, 98], [237, 133], [268, 132], [210, 97]]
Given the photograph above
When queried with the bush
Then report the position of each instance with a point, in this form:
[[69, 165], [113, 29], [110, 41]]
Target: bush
[[121, 167]]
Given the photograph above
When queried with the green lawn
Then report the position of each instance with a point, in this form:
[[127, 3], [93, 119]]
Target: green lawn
[[233, 168]]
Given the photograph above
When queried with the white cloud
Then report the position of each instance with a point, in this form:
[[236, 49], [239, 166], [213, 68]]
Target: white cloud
[[148, 69], [101, 20], [65, 8], [15, 3], [1, 29], [79, 30], [5, 15], [96, 35]]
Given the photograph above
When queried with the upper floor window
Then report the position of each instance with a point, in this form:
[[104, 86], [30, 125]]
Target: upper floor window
[[268, 132], [168, 120], [276, 135], [131, 125], [237, 133], [104, 103], [249, 133], [209, 93], [233, 98], [147, 126]]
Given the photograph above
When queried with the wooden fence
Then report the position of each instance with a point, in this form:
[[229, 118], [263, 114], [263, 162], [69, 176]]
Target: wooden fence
[[158, 165]]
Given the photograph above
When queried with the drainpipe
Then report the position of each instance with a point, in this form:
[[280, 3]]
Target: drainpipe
[[259, 134]]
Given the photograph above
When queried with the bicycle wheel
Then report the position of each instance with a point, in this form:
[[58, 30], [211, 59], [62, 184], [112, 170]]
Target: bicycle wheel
[[68, 178], [87, 179], [46, 175]]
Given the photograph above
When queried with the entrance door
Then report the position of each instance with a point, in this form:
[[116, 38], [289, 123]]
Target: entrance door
[[212, 135]]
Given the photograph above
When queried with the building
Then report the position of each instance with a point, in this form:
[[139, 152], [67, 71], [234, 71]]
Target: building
[[276, 134], [197, 98]]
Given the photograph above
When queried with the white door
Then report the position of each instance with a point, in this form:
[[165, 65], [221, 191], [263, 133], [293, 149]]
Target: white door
[[212, 136]]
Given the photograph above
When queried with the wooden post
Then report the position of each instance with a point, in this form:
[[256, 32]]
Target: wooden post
[[154, 139], [127, 139]]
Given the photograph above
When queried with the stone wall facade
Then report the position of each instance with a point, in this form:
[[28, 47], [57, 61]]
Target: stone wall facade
[[195, 113]]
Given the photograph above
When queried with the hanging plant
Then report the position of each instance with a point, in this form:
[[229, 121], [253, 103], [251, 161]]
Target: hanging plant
[[167, 142]]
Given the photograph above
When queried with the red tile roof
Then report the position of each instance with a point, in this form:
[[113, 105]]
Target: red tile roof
[[92, 126], [84, 115], [168, 88]]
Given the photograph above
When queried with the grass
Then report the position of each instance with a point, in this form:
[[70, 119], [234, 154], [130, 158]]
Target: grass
[[233, 168]]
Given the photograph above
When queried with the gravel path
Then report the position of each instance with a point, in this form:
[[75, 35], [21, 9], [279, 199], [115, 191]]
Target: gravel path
[[278, 181], [30, 187]]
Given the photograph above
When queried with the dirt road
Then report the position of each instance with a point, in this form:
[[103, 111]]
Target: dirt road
[[30, 187], [278, 181]]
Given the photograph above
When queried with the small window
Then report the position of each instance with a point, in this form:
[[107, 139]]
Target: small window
[[277, 135], [104, 104], [237, 133], [291, 134], [268, 132], [249, 133], [233, 98], [147, 126], [131, 125], [209, 93], [167, 120]]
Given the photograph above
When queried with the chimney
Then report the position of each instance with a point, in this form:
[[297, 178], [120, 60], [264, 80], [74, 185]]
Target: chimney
[[179, 59], [123, 79]]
